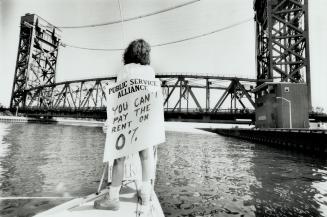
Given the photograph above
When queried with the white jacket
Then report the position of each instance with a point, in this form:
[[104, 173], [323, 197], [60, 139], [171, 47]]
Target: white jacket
[[134, 70]]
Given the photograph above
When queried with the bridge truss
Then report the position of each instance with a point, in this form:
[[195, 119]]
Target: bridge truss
[[186, 96]]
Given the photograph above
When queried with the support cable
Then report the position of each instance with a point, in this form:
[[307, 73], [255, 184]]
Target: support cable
[[205, 34], [131, 18], [165, 43], [122, 20]]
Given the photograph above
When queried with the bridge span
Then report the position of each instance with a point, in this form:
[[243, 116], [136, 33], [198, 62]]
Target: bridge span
[[192, 97]]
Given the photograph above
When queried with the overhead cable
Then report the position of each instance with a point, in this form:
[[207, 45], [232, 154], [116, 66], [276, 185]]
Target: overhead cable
[[205, 34], [166, 43], [122, 20], [89, 48], [128, 19]]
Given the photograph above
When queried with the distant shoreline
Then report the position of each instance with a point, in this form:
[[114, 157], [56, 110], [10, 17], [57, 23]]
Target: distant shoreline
[[19, 119], [190, 127]]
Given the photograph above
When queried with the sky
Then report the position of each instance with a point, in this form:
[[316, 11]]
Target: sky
[[229, 53]]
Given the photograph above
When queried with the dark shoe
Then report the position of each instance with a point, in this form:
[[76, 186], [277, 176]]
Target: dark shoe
[[145, 198], [106, 203]]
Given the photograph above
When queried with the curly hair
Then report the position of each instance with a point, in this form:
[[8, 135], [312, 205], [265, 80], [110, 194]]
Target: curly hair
[[138, 51]]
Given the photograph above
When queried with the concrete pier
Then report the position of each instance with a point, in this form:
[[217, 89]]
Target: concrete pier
[[303, 140]]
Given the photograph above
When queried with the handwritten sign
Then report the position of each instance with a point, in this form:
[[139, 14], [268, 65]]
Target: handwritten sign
[[134, 117]]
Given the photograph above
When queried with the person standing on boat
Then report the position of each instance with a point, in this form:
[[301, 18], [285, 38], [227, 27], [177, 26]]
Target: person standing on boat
[[136, 65]]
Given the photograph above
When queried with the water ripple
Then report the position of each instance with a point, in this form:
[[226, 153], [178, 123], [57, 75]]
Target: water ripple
[[197, 174]]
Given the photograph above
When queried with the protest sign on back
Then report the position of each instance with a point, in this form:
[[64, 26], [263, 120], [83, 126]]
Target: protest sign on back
[[134, 117]]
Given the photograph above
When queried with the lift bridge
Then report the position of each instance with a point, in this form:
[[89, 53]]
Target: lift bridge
[[282, 54]]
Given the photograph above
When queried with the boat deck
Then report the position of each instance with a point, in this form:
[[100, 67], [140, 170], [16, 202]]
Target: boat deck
[[129, 206]]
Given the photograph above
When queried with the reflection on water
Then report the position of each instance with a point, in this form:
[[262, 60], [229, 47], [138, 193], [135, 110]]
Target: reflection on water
[[197, 174]]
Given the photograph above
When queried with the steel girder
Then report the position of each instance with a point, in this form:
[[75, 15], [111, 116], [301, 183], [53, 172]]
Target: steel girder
[[185, 89], [282, 41], [36, 58], [182, 93], [79, 95]]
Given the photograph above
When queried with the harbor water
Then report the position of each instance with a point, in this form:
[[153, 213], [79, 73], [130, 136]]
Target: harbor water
[[198, 173]]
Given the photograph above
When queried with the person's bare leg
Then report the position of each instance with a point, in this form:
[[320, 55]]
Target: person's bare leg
[[117, 172], [147, 162], [111, 201]]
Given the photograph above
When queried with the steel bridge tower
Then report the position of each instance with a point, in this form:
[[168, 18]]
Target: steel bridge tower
[[36, 59], [282, 41]]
